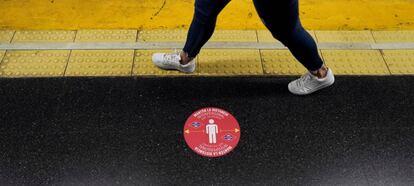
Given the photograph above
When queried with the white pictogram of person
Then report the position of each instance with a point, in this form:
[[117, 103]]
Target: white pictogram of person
[[212, 131]]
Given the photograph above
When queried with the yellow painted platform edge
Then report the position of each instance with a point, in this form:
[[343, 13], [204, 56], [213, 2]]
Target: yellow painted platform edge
[[317, 14]]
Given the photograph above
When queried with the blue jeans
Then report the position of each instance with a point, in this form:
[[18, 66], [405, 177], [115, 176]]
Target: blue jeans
[[281, 17]]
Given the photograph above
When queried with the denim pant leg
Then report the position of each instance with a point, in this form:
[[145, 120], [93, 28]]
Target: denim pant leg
[[281, 17], [203, 24]]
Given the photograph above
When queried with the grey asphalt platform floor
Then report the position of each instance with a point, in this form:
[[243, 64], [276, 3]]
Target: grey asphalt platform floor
[[128, 131]]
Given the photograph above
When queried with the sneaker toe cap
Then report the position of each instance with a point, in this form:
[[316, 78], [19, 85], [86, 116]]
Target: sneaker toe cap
[[157, 58], [292, 88]]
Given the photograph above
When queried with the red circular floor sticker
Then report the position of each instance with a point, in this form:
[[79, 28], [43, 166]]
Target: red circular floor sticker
[[212, 132]]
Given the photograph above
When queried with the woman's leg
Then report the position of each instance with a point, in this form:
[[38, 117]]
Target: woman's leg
[[281, 17], [203, 25], [201, 29]]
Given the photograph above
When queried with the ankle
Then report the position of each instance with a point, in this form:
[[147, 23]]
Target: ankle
[[321, 72], [184, 58]]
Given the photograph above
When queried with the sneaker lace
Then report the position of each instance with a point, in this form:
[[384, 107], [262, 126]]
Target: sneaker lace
[[172, 57], [304, 80]]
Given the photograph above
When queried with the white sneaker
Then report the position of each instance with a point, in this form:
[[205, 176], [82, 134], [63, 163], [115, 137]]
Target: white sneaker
[[309, 83], [172, 61]]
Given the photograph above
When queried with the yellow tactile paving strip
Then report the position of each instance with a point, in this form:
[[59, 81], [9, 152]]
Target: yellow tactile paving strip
[[349, 36], [44, 63], [234, 36], [106, 35], [400, 62], [6, 36], [44, 36], [266, 36], [280, 62], [181, 35], [162, 35], [393, 36], [229, 62], [2, 52], [100, 63], [356, 62], [210, 62]]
